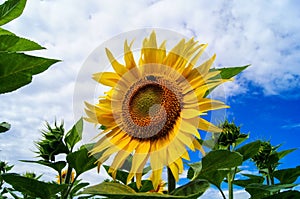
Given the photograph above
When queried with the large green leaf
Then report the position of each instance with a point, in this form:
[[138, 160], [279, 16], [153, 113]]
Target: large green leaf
[[5, 32], [194, 170], [286, 176], [227, 73], [81, 161], [214, 177], [215, 166], [57, 166], [17, 69], [74, 135], [215, 160], [10, 10], [221, 159], [119, 191], [193, 189], [32, 187], [4, 126], [146, 186], [258, 191], [13, 43], [285, 195], [249, 150], [251, 179]]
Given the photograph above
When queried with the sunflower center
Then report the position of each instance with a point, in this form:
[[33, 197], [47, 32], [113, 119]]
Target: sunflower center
[[151, 108], [145, 99]]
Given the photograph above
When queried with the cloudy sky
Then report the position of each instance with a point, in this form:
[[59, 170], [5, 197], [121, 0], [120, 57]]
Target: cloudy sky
[[264, 99]]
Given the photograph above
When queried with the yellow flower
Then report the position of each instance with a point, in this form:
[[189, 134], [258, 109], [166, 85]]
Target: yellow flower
[[63, 176], [152, 109]]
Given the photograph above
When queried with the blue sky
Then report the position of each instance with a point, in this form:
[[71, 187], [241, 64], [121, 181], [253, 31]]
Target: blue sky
[[264, 99]]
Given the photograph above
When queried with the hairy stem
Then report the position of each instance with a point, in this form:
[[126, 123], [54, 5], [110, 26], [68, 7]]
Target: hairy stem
[[230, 185], [171, 181]]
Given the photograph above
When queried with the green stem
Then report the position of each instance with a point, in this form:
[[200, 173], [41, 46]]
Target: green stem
[[67, 181], [60, 178], [267, 178], [270, 173], [68, 176], [70, 187], [171, 181], [230, 185]]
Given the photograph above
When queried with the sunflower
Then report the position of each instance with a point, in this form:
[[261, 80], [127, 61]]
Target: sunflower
[[63, 176], [153, 108]]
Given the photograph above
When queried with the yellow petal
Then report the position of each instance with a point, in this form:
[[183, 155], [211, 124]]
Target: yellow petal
[[193, 61], [149, 50], [138, 180], [207, 126], [172, 154], [173, 55], [174, 169], [189, 128], [119, 68], [106, 78], [186, 139], [156, 177], [212, 105], [128, 56], [190, 113], [204, 68], [179, 164], [186, 156], [139, 158], [198, 146]]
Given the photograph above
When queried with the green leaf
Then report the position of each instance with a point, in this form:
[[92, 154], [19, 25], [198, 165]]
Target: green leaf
[[5, 32], [81, 161], [242, 137], [77, 187], [287, 176], [32, 187], [194, 170], [146, 186], [109, 189], [13, 43], [4, 126], [283, 153], [74, 135], [221, 159], [120, 191], [193, 189], [251, 179], [17, 69], [57, 166], [259, 191], [10, 10], [121, 175], [214, 177], [285, 195], [249, 150], [227, 73], [215, 166]]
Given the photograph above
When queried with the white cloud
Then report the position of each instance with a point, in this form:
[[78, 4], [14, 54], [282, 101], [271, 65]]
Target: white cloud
[[215, 194], [262, 33]]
